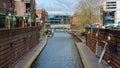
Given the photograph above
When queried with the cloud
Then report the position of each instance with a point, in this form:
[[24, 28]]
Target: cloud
[[66, 6]]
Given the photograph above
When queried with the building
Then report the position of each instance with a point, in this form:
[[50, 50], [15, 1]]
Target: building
[[30, 7], [25, 7], [42, 15], [6, 7], [111, 11], [72, 20], [58, 19], [20, 8]]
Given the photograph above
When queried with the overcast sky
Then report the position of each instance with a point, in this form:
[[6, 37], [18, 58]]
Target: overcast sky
[[57, 6]]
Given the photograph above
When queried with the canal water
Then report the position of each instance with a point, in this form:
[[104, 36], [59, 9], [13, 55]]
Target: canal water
[[60, 52]]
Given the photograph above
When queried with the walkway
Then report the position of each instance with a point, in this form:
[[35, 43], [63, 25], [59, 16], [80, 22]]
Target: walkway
[[88, 58]]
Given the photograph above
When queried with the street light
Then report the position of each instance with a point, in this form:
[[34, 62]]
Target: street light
[[14, 21], [30, 21], [41, 21], [10, 24]]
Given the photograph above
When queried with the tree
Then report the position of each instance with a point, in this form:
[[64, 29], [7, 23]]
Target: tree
[[87, 12]]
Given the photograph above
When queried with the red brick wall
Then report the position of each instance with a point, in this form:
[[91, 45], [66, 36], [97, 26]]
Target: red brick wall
[[15, 43], [7, 9], [91, 39]]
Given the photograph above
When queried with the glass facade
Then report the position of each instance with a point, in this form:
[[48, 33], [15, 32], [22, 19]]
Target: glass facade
[[109, 17], [111, 5], [56, 19]]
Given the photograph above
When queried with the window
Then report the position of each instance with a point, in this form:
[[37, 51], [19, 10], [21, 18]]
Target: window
[[10, 4], [111, 5], [4, 5]]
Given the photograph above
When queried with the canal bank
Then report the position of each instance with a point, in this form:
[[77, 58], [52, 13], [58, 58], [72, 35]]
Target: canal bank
[[28, 59], [88, 58]]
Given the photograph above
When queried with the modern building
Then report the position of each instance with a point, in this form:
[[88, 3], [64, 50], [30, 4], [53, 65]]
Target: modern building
[[111, 11], [6, 7], [58, 19]]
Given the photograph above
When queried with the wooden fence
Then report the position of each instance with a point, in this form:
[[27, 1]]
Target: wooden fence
[[15, 43], [95, 39]]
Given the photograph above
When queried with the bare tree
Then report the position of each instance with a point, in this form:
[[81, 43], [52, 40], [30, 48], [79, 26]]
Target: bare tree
[[87, 12]]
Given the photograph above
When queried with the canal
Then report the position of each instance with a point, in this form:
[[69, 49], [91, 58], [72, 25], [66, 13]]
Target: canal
[[60, 52]]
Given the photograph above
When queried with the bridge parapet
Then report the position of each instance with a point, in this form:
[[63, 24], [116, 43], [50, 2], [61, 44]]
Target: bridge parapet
[[60, 26]]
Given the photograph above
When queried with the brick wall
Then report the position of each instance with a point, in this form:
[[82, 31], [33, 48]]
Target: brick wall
[[5, 7], [113, 48], [15, 43]]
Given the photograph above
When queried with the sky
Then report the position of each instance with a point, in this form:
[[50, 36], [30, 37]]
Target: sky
[[57, 6]]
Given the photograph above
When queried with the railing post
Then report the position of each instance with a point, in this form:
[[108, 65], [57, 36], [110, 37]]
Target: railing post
[[8, 24], [23, 23]]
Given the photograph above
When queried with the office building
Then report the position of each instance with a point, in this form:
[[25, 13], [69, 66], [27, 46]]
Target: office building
[[111, 12], [58, 19]]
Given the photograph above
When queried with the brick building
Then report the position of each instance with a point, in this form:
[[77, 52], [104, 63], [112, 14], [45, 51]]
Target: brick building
[[25, 9], [20, 8], [42, 15], [6, 6], [72, 21], [30, 7]]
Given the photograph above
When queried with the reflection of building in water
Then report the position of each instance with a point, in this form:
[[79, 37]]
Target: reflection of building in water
[[111, 10], [59, 19]]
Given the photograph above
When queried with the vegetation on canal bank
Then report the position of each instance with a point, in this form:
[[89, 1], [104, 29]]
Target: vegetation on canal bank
[[42, 32]]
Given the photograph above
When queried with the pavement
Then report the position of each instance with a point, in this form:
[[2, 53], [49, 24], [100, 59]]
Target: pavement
[[28, 59], [88, 58]]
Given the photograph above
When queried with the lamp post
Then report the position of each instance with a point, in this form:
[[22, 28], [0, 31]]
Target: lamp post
[[30, 21], [23, 22], [14, 22]]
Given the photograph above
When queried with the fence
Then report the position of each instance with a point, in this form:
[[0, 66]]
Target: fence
[[95, 39], [15, 43]]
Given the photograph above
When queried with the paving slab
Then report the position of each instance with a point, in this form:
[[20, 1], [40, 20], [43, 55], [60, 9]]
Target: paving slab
[[88, 58]]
